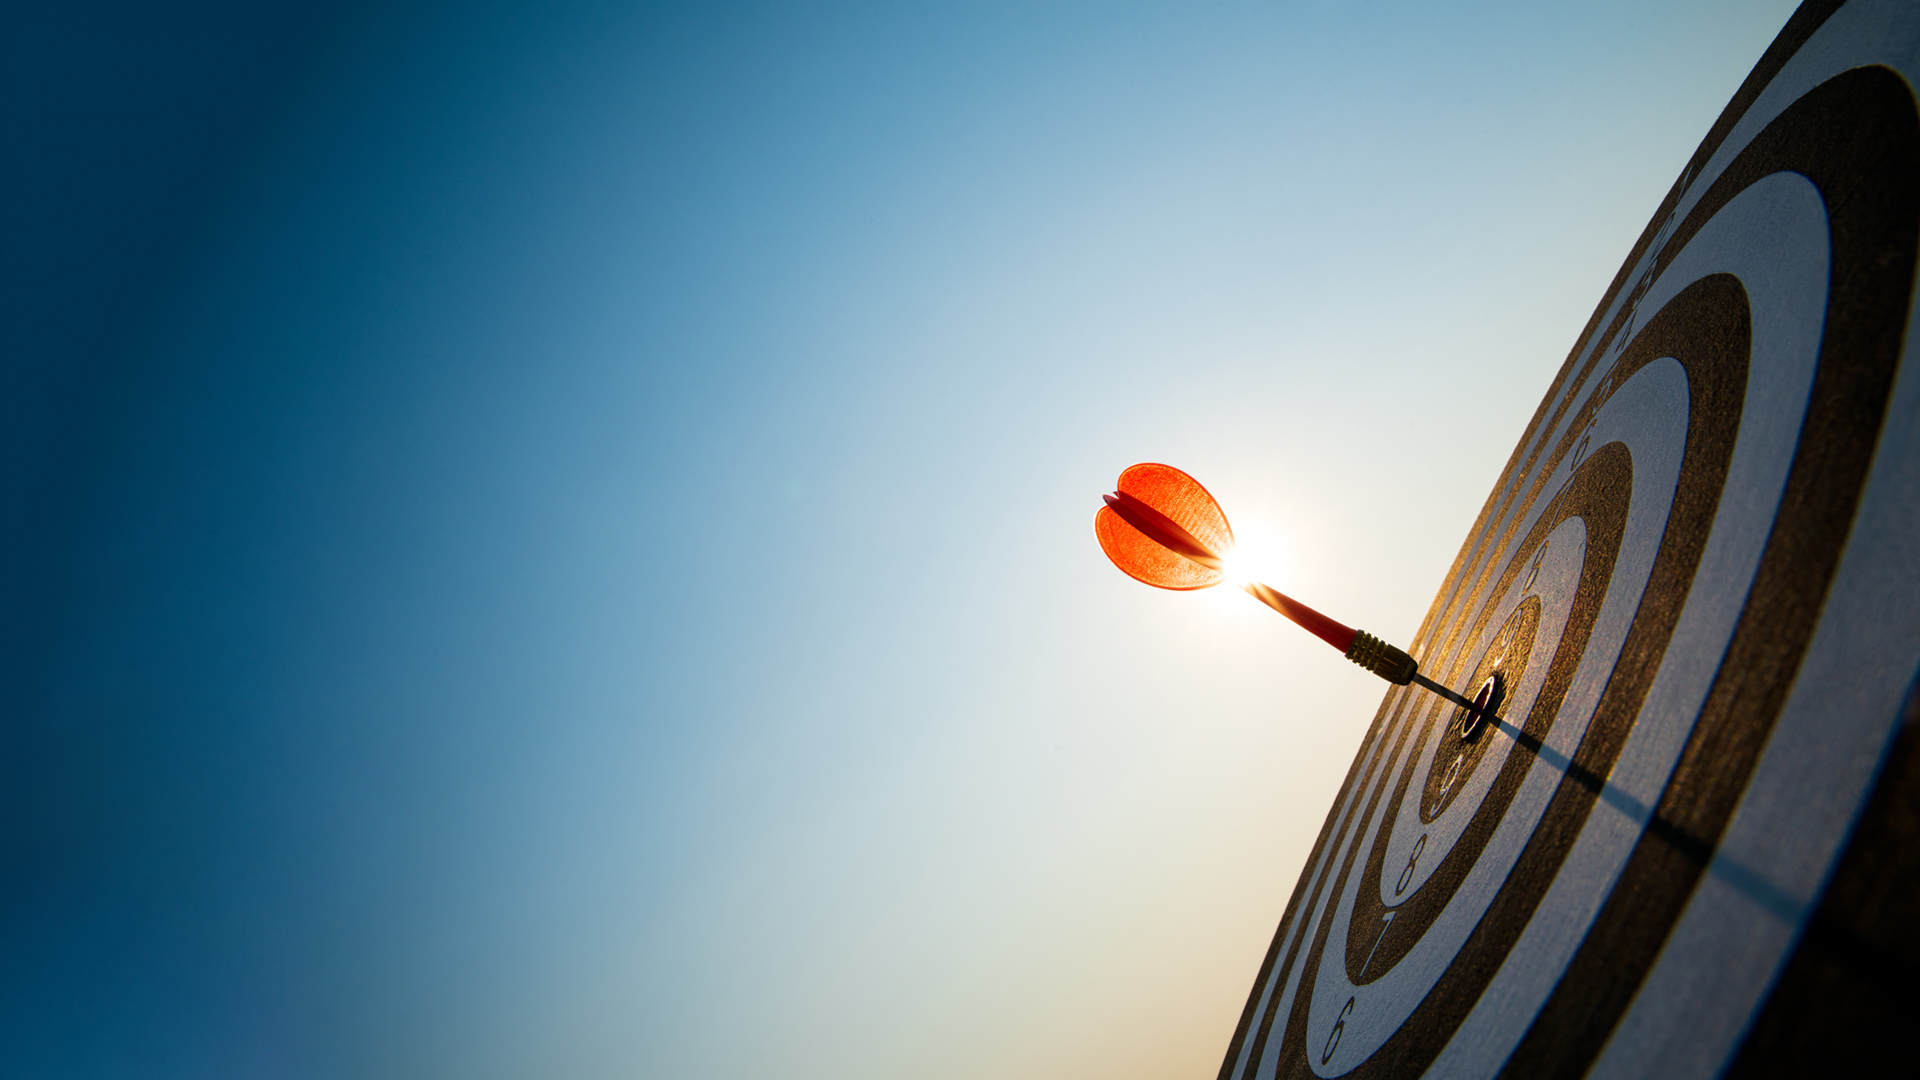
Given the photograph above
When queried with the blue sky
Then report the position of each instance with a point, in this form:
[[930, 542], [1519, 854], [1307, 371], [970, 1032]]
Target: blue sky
[[556, 539]]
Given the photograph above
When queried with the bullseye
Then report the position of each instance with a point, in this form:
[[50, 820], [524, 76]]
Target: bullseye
[[1484, 702]]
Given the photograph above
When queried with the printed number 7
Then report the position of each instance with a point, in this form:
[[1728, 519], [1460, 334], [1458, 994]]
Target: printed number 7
[[1385, 921]]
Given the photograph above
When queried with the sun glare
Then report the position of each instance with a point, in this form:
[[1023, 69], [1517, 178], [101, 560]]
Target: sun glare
[[1257, 555], [1231, 564]]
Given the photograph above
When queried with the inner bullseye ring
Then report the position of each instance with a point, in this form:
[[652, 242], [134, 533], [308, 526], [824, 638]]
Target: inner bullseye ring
[[1483, 703]]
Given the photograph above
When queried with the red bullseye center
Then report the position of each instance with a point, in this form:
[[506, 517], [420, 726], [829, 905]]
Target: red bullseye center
[[1482, 702]]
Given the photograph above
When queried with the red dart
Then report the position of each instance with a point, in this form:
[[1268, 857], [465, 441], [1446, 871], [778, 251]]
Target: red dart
[[1163, 528]]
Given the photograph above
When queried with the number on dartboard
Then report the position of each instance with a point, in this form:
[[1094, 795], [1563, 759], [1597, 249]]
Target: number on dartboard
[[1580, 451], [1333, 1037], [1453, 773], [1385, 921], [1413, 860], [1534, 571]]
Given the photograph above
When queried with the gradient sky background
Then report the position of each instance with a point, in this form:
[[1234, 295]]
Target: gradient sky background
[[554, 540]]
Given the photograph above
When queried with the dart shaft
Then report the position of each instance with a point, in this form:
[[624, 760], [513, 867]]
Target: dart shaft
[[1331, 631], [1387, 661], [1169, 534]]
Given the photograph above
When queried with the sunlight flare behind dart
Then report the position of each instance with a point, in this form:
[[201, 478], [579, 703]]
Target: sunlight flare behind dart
[[1161, 527]]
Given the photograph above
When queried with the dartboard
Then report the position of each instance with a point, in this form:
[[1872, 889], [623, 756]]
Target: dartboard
[[1690, 844]]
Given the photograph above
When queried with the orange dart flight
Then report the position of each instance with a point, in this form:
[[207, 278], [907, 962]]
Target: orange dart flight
[[1163, 528], [1189, 518]]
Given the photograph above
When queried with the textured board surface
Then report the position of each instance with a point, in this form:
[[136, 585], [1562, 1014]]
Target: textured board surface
[[1688, 849]]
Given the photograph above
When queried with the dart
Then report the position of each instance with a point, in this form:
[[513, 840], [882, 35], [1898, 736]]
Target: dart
[[1161, 527]]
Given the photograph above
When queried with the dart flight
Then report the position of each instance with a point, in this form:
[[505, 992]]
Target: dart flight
[[1160, 526]]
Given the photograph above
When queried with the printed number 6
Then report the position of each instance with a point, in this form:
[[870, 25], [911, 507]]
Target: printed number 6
[[1413, 860], [1333, 1037]]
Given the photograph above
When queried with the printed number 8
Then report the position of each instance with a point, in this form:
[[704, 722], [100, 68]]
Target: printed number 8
[[1413, 860]]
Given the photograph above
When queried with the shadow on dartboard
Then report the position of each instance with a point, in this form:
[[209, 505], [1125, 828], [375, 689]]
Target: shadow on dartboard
[[1686, 840]]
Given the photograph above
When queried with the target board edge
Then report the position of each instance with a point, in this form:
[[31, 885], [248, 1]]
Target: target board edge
[[1699, 575]]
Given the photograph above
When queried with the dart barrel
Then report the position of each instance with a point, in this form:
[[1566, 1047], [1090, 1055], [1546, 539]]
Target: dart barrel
[[1381, 658]]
